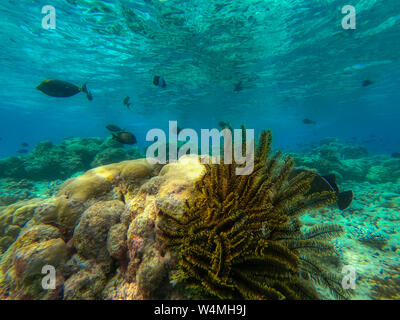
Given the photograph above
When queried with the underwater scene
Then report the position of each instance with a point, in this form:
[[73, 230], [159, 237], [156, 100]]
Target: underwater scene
[[199, 149]]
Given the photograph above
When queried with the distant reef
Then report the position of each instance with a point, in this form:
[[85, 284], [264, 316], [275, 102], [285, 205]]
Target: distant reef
[[49, 162], [13, 190], [349, 162]]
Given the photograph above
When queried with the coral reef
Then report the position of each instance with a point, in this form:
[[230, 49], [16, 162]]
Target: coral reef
[[50, 162], [349, 162], [114, 232], [79, 231], [13, 218]]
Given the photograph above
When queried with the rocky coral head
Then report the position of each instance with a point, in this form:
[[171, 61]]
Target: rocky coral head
[[240, 236]]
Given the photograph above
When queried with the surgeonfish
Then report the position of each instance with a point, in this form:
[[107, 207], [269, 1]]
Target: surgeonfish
[[62, 89], [159, 82], [125, 138], [367, 83], [113, 128], [327, 183], [127, 102], [308, 121]]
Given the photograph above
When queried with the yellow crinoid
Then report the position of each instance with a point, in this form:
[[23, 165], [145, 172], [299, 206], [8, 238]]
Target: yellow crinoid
[[241, 238]]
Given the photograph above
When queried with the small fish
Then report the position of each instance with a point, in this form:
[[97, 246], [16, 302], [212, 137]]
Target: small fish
[[22, 151], [396, 155], [24, 144], [223, 124], [127, 103], [308, 121], [125, 138], [238, 86], [327, 183], [113, 128], [159, 82], [62, 89], [367, 83]]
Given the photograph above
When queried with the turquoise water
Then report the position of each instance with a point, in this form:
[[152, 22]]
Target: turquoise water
[[293, 59]]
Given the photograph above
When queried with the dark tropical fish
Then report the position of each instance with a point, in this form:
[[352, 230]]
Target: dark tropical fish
[[62, 89], [223, 124], [88, 93], [127, 102], [308, 121], [22, 151], [396, 155], [327, 183], [159, 82], [113, 128], [371, 140], [238, 86], [125, 138], [367, 83], [24, 144]]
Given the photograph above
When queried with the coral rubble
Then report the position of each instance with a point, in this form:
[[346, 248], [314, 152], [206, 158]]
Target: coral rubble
[[14, 190]]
